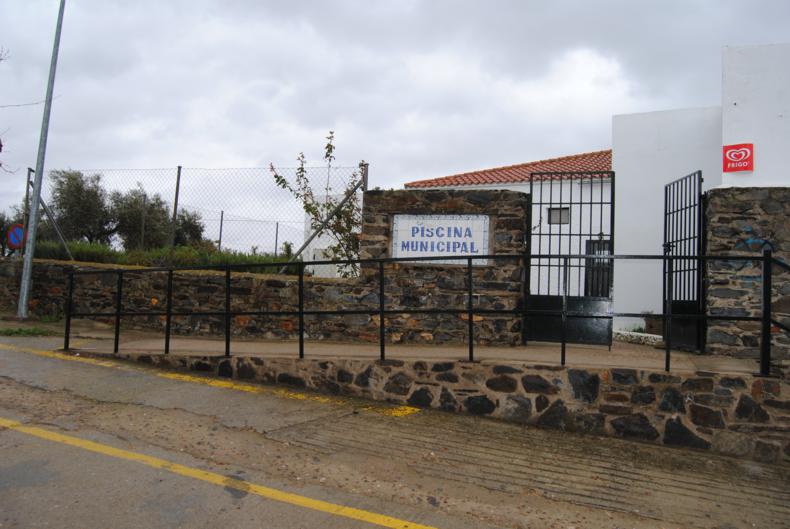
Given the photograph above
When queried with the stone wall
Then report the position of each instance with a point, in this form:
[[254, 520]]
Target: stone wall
[[743, 221], [740, 416], [432, 286], [407, 286]]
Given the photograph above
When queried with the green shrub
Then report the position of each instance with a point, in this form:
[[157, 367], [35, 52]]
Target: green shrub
[[160, 257], [82, 251]]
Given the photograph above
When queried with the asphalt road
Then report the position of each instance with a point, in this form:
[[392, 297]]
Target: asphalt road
[[86, 443]]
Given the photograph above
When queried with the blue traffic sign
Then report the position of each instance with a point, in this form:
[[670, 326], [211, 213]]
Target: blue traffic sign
[[15, 237]]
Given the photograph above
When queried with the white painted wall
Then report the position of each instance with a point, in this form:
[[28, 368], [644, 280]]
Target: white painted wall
[[649, 151], [756, 109]]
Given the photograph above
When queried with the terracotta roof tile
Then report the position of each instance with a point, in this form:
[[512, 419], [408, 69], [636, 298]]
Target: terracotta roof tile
[[588, 161]]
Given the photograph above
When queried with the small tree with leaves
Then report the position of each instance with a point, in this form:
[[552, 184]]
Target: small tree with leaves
[[341, 220]]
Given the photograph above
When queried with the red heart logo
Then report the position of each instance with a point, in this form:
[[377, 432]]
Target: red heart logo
[[738, 155]]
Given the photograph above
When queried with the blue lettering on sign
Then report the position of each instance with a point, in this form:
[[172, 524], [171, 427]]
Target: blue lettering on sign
[[447, 238]]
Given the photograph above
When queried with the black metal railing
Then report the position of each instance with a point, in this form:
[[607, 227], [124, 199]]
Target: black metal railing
[[766, 260]]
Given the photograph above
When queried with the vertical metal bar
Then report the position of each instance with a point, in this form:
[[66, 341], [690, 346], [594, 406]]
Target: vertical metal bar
[[589, 246], [765, 339], [668, 314], [599, 278], [26, 211], [470, 311], [119, 295], [276, 237], [227, 311], [527, 287], [536, 262], [681, 265], [677, 249], [686, 237], [551, 232], [664, 261], [578, 235], [175, 207], [525, 297], [169, 309], [69, 301], [301, 309], [564, 310], [142, 224], [560, 226], [382, 330], [703, 270], [540, 236], [611, 233], [571, 232], [221, 225]]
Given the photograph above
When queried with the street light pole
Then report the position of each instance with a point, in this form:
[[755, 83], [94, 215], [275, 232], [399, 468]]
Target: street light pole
[[30, 245]]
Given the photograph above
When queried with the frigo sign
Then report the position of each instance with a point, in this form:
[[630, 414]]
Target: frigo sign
[[738, 157], [438, 235]]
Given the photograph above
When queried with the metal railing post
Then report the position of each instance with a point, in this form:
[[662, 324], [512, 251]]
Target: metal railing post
[[470, 310], [175, 209], [119, 295], [301, 310], [668, 312], [227, 311], [69, 301], [564, 308], [169, 309], [382, 330], [765, 338], [525, 296]]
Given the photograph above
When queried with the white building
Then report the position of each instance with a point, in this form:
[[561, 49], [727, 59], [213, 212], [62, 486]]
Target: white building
[[571, 214], [650, 150]]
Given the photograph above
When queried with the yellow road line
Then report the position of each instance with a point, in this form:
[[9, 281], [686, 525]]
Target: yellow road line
[[62, 356], [391, 411], [216, 479]]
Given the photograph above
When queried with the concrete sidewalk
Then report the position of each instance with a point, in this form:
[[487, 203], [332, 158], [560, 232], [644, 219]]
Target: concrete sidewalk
[[622, 355]]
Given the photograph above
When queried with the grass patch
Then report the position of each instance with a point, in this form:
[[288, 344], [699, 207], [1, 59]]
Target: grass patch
[[28, 331]]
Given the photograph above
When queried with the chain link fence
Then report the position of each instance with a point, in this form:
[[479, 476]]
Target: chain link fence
[[239, 209]]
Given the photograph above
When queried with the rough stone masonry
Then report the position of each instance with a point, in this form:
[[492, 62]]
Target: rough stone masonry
[[408, 286], [736, 415], [744, 221]]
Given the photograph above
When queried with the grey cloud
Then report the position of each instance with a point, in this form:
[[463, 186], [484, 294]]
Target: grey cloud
[[417, 88]]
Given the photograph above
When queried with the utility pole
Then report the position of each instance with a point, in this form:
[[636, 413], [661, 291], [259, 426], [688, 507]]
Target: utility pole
[[30, 245]]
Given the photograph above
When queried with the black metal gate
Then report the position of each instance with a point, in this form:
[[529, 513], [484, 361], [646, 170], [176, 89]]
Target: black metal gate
[[572, 213], [684, 235]]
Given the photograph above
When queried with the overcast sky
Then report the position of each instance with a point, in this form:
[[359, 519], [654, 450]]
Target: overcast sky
[[417, 88]]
